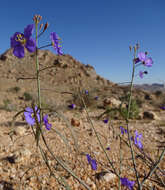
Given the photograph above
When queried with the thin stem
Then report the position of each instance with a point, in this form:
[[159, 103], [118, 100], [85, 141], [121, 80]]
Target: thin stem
[[38, 87], [154, 167], [100, 141], [127, 122], [45, 46], [63, 164]]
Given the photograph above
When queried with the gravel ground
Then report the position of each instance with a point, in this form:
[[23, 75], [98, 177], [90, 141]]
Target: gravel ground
[[22, 166]]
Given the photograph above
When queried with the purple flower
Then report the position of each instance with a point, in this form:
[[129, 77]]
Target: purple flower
[[72, 106], [142, 56], [105, 120], [147, 61], [127, 183], [96, 98], [141, 74], [163, 107], [92, 162], [86, 91], [123, 130], [29, 115], [108, 148], [45, 120], [138, 138], [18, 41], [55, 42]]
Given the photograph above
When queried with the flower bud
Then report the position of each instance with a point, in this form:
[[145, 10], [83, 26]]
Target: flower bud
[[46, 26], [134, 48], [137, 46], [41, 25]]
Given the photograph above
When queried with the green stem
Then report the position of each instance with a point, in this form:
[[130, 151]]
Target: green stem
[[127, 122], [38, 88]]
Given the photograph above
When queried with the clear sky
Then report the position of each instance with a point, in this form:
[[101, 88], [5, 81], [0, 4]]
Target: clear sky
[[96, 32]]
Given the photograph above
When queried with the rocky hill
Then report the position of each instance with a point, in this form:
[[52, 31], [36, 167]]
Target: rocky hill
[[151, 87], [60, 77]]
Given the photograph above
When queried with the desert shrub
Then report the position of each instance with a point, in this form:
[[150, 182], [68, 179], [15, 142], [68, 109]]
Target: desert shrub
[[134, 108], [15, 89], [7, 105], [27, 96], [139, 102], [163, 102], [111, 113], [147, 97], [158, 93], [88, 98]]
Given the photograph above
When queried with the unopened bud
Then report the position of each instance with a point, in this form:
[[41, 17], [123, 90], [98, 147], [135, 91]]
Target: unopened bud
[[46, 26], [134, 48], [146, 52], [137, 46], [41, 25], [145, 72], [130, 48]]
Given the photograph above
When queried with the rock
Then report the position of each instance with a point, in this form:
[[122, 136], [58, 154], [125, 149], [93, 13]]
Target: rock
[[111, 101], [75, 122], [21, 155], [109, 177], [107, 102], [91, 183], [104, 175], [115, 102], [150, 115], [20, 131]]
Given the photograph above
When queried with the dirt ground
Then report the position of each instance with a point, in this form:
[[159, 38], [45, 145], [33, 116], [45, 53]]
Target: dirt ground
[[22, 167]]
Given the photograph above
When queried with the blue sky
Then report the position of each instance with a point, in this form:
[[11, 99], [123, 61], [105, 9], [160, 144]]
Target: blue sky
[[96, 32]]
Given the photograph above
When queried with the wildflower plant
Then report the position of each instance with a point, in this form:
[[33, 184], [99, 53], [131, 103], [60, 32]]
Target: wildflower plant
[[34, 114], [36, 117]]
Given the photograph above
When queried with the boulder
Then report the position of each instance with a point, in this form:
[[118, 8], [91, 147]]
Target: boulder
[[111, 102], [150, 115]]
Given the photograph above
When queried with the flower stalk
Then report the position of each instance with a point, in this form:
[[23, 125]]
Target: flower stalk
[[38, 87]]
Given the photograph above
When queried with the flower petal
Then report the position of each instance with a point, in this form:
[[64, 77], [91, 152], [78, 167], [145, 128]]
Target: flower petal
[[28, 116], [93, 164], [88, 158], [30, 45], [141, 74], [13, 42], [28, 30], [19, 51], [142, 56], [47, 125], [55, 41], [148, 62]]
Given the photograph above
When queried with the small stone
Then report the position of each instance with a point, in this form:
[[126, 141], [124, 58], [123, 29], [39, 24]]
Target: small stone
[[75, 122], [109, 177], [91, 183], [22, 154], [20, 131], [150, 115]]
